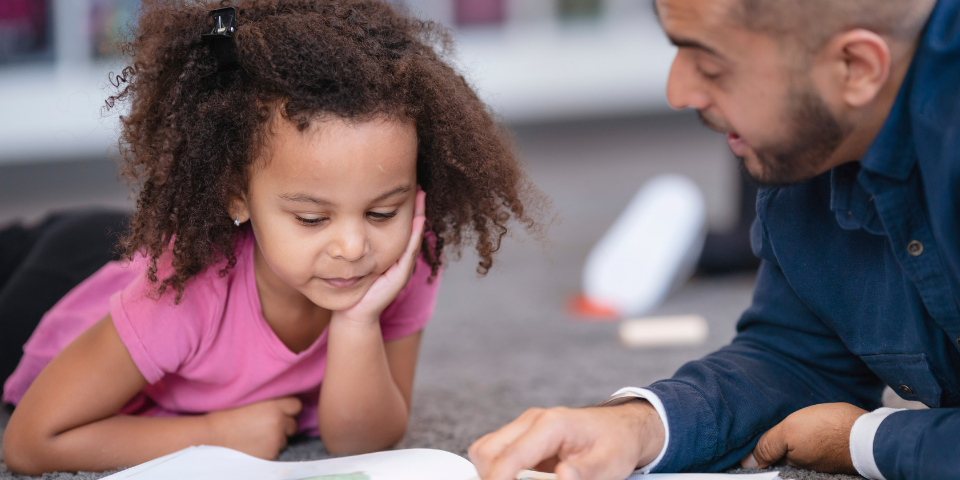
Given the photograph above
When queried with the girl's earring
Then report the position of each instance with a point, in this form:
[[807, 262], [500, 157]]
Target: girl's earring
[[237, 221]]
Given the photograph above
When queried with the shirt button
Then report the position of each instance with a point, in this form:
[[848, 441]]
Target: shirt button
[[906, 389], [915, 248]]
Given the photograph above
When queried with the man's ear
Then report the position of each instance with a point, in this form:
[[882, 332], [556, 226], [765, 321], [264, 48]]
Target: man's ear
[[860, 65], [238, 209]]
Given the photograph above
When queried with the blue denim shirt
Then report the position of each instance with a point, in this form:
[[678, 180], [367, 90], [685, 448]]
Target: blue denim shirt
[[859, 287]]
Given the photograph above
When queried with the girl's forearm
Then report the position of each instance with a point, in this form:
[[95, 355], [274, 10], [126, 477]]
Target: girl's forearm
[[361, 407], [113, 442]]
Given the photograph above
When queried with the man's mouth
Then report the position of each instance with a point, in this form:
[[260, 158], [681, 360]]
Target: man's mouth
[[737, 145], [342, 282]]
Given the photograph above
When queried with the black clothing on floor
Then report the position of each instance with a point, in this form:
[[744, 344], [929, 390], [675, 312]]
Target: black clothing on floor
[[39, 265]]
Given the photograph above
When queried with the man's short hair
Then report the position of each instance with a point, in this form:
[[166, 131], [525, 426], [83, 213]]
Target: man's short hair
[[812, 23]]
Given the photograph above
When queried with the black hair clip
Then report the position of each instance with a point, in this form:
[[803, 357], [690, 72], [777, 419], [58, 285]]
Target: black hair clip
[[221, 37]]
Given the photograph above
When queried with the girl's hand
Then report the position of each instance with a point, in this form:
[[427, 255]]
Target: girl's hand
[[386, 288], [259, 429]]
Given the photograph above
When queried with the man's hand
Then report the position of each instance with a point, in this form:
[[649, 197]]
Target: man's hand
[[815, 438], [603, 443]]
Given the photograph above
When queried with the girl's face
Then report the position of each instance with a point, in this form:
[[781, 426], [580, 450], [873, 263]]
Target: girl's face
[[331, 207]]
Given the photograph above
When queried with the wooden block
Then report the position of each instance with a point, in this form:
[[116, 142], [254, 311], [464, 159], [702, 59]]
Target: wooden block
[[664, 331]]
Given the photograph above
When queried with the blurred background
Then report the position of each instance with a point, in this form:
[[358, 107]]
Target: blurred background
[[580, 83], [543, 66]]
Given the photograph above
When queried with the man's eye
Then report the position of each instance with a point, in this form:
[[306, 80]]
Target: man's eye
[[310, 221], [708, 75], [381, 216]]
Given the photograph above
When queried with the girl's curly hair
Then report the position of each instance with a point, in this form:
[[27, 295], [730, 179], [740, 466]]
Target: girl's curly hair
[[194, 128]]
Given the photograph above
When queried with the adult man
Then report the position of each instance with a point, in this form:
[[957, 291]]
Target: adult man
[[850, 112]]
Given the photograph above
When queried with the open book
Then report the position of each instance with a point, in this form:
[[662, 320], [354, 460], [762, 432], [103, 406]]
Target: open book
[[218, 463]]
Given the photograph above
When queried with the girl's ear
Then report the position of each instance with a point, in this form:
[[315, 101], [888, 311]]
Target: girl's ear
[[238, 210]]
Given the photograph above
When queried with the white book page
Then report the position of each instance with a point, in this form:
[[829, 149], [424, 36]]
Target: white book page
[[528, 475], [218, 463], [215, 463], [707, 476]]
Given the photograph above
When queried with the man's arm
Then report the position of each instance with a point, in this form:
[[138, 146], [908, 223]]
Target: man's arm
[[919, 445], [783, 359], [886, 444]]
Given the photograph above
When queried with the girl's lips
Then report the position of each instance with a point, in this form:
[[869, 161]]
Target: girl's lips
[[342, 282], [737, 145]]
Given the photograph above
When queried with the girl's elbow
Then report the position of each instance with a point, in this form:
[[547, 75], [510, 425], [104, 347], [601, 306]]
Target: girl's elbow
[[22, 454], [380, 440], [390, 441]]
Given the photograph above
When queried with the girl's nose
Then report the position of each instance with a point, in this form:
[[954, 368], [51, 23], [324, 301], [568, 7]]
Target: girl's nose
[[351, 243]]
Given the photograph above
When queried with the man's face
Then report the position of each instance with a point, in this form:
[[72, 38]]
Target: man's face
[[749, 86]]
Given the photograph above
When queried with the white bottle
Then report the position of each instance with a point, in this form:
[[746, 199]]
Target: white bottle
[[652, 248]]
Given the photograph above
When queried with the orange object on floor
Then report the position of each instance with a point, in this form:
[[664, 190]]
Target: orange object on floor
[[590, 310]]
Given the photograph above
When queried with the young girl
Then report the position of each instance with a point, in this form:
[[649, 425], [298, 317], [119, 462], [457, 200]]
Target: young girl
[[299, 174]]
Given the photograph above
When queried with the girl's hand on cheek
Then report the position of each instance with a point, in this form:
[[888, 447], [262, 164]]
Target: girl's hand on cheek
[[390, 283], [259, 429]]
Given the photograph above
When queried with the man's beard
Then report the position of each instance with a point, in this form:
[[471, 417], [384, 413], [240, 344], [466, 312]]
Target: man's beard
[[814, 136]]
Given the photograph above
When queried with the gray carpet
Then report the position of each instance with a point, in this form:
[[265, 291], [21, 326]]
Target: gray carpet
[[502, 344]]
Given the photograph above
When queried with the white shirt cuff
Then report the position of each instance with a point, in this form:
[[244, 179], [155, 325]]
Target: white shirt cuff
[[632, 392], [861, 442]]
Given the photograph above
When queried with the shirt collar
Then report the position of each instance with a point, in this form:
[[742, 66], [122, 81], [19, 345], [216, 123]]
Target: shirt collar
[[892, 153], [851, 203]]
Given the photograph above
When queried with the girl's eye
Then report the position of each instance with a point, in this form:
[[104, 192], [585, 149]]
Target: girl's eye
[[310, 222], [381, 216]]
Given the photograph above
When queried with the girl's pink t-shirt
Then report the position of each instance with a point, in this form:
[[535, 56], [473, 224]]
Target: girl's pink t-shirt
[[213, 350]]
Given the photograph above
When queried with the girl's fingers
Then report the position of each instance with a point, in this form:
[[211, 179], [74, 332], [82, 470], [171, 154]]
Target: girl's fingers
[[290, 406], [420, 205], [396, 277], [290, 426], [416, 234]]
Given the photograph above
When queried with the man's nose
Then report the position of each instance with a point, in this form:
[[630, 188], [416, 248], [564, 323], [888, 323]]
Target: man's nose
[[351, 242], [684, 88]]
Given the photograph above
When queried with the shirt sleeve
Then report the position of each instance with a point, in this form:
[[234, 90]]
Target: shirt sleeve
[[861, 442], [633, 392], [412, 309], [160, 334], [783, 359], [918, 444]]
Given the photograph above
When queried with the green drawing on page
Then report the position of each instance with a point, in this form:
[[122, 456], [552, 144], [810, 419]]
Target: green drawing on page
[[342, 476]]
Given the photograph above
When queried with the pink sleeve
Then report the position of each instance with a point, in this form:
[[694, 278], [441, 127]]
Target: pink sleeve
[[161, 336], [413, 307]]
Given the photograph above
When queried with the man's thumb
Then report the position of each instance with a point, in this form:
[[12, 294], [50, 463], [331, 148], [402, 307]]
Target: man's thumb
[[591, 466], [769, 450], [566, 471]]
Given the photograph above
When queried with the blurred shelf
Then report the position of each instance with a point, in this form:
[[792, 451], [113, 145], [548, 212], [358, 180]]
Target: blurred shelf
[[550, 71], [527, 72], [53, 114]]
